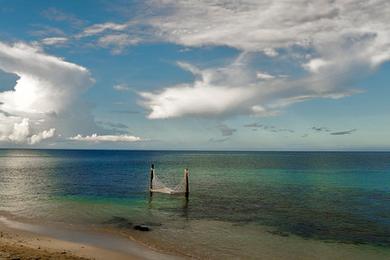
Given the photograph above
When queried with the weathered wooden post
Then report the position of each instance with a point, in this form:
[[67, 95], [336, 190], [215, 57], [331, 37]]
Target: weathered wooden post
[[151, 178], [186, 173]]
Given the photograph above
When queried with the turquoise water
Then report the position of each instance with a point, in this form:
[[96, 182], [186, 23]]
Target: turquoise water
[[322, 196]]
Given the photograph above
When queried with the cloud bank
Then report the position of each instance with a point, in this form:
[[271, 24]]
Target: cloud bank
[[329, 27], [105, 138], [333, 42], [16, 130], [45, 95], [236, 89]]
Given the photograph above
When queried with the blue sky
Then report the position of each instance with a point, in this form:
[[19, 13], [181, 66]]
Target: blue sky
[[259, 75]]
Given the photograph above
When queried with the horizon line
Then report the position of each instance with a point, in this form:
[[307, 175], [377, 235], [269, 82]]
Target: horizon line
[[187, 150]]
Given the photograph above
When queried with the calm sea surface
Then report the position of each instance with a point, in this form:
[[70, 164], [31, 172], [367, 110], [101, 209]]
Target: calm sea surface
[[317, 196]]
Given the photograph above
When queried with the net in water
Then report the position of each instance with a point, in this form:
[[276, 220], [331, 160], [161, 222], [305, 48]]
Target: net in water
[[159, 186]]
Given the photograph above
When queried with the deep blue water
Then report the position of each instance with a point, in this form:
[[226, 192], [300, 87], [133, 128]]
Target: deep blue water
[[333, 196]]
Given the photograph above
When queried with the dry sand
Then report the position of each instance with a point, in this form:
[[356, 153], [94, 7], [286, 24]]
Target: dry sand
[[16, 244]]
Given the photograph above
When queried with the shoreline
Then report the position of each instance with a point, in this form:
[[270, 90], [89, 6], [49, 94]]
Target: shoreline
[[20, 240]]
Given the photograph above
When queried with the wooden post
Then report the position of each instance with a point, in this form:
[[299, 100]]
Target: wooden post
[[151, 178], [186, 173]]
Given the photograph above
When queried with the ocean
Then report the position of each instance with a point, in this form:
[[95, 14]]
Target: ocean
[[241, 204]]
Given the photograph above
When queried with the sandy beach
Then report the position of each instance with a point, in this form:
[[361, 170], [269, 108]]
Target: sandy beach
[[29, 241]]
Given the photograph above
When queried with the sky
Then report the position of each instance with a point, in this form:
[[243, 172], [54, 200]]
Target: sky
[[202, 75]]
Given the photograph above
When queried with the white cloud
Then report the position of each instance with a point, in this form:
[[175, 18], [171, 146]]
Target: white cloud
[[121, 87], [199, 98], [118, 42], [46, 83], [236, 89], [208, 95], [336, 42], [45, 98], [100, 28], [105, 138], [19, 130], [270, 52], [264, 75], [327, 28], [202, 97], [315, 65], [266, 26], [46, 134], [54, 40]]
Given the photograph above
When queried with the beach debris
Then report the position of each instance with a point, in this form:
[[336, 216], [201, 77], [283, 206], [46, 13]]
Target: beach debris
[[142, 227]]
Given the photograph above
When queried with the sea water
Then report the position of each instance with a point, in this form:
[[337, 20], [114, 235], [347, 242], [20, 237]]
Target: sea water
[[241, 204]]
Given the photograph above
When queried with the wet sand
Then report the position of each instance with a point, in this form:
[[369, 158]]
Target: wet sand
[[22, 240], [29, 241]]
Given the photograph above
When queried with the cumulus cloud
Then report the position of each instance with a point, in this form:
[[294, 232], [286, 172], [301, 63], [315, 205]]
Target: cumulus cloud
[[20, 131], [16, 130], [46, 83], [105, 138], [45, 96], [46, 134]]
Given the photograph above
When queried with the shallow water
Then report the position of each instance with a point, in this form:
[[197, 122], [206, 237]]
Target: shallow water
[[236, 198]]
